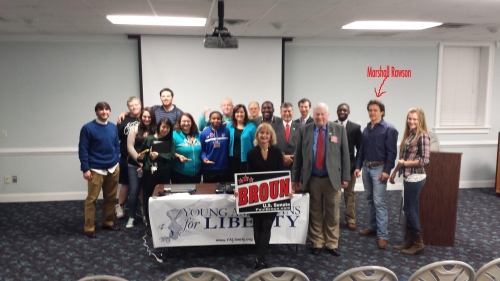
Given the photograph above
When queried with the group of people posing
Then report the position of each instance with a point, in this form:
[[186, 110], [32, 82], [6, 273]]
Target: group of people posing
[[162, 144]]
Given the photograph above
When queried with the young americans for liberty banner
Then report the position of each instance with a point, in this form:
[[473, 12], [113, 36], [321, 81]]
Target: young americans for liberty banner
[[196, 220]]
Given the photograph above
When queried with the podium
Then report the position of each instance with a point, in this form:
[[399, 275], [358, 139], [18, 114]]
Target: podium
[[438, 203], [497, 177]]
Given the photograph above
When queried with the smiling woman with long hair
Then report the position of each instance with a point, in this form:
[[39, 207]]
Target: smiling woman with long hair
[[414, 154], [136, 137], [187, 164], [242, 134]]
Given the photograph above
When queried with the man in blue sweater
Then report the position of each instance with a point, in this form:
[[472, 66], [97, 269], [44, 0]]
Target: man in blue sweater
[[99, 152]]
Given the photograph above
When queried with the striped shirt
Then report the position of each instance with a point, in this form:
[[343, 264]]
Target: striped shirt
[[415, 150], [160, 113]]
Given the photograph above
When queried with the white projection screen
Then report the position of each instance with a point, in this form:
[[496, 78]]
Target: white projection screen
[[201, 77]]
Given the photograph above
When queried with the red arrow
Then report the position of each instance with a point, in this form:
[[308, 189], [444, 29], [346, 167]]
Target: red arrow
[[379, 94]]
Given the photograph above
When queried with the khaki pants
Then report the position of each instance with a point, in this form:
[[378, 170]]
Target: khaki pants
[[323, 231], [109, 184], [350, 212]]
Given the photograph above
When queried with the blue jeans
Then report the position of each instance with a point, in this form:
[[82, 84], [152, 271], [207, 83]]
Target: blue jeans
[[133, 190], [411, 196], [375, 189]]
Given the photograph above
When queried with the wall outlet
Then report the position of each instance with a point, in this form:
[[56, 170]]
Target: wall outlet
[[6, 179], [14, 179], [4, 134]]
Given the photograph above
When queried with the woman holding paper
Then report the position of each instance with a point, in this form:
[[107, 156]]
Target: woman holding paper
[[264, 157], [157, 152], [135, 138]]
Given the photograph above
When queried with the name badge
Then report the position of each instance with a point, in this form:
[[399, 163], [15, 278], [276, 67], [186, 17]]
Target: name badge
[[216, 144], [334, 139]]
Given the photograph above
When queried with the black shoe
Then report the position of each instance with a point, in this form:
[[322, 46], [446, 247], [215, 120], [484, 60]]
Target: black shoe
[[260, 265], [316, 251], [90, 234], [334, 252], [111, 227]]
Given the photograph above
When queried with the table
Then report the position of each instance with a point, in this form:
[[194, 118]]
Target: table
[[211, 219]]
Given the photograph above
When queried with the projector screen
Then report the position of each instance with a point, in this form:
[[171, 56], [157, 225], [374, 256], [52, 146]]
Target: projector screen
[[201, 77]]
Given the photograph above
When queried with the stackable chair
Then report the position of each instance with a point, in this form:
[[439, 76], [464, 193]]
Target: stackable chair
[[361, 274], [207, 274], [458, 271], [102, 278], [267, 274], [489, 271]]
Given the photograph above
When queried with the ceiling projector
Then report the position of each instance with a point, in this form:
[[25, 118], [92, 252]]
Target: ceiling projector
[[220, 38], [220, 42]]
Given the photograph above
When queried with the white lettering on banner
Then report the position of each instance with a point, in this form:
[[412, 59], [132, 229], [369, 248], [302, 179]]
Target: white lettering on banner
[[195, 220]]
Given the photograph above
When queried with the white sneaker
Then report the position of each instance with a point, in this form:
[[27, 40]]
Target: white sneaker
[[119, 211], [130, 223]]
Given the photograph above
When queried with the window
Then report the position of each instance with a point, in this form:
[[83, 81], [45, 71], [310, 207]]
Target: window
[[464, 88]]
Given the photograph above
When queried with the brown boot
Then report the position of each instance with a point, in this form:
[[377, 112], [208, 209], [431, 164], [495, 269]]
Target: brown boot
[[418, 245], [407, 243]]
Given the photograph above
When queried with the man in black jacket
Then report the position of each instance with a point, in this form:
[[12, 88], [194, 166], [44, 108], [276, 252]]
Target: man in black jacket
[[353, 140]]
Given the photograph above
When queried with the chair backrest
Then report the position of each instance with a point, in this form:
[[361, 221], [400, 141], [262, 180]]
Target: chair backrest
[[457, 271], [207, 274], [489, 271], [289, 274], [362, 274], [102, 278]]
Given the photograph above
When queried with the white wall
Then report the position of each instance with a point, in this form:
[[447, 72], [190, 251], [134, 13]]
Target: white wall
[[48, 91], [336, 72]]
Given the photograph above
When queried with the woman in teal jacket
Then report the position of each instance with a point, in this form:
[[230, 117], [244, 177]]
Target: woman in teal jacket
[[242, 134], [187, 164]]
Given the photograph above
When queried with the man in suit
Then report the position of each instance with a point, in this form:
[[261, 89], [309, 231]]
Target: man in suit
[[304, 107], [322, 155], [354, 141], [286, 134], [267, 111]]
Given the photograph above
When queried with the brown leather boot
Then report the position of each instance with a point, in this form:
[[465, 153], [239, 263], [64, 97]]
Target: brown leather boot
[[407, 243], [418, 245]]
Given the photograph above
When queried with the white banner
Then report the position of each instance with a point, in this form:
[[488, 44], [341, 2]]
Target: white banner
[[196, 220]]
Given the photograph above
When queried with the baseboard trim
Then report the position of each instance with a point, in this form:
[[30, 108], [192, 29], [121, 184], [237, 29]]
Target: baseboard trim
[[44, 197], [71, 196]]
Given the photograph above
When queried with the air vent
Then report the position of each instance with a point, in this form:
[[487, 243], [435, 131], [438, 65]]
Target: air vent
[[230, 22], [453, 25]]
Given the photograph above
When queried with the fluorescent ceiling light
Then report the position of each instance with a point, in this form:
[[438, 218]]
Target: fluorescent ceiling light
[[147, 20], [391, 25]]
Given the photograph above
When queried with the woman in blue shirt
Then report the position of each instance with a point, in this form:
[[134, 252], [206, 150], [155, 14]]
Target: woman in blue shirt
[[242, 134], [215, 150], [187, 164]]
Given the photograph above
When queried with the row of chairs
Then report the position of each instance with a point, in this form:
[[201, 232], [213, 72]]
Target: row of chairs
[[438, 271]]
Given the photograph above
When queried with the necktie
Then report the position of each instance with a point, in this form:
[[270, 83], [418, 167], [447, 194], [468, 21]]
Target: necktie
[[320, 150], [341, 123], [287, 132]]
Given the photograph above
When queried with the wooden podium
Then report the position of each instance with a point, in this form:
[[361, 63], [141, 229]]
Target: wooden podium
[[497, 178], [439, 199]]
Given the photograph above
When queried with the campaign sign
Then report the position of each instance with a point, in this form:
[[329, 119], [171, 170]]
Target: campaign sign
[[263, 192]]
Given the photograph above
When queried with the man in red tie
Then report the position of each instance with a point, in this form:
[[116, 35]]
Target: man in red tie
[[322, 155], [286, 134]]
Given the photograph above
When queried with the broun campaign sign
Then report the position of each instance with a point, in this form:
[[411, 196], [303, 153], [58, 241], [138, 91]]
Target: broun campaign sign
[[263, 192]]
